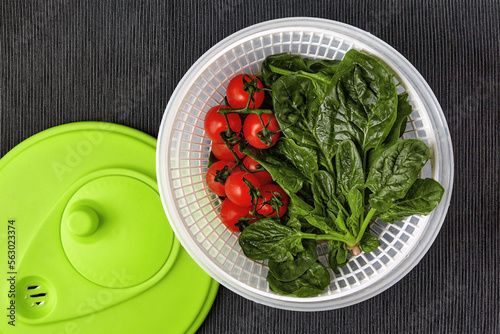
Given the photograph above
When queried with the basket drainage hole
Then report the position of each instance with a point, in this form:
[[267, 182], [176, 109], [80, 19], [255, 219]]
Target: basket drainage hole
[[38, 303], [33, 287]]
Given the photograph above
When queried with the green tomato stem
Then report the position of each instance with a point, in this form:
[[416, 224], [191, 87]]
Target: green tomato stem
[[239, 162], [245, 111]]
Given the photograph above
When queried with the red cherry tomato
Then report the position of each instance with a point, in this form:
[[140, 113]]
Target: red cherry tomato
[[230, 213], [268, 192], [215, 123], [237, 97], [217, 187], [252, 126], [238, 191], [222, 152], [252, 165]]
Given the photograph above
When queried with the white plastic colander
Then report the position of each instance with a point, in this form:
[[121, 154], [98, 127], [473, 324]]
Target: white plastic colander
[[183, 151]]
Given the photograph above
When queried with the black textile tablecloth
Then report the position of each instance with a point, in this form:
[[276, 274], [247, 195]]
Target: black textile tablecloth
[[66, 61]]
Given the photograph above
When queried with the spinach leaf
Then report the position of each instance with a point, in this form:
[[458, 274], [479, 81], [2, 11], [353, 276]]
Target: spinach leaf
[[325, 66], [293, 269], [296, 102], [395, 171], [398, 128], [350, 173], [340, 222], [284, 61], [295, 63], [268, 239], [280, 167], [323, 190], [298, 224], [297, 207], [361, 102], [312, 283], [302, 158], [320, 222], [356, 206], [290, 165], [296, 107], [300, 207], [423, 197], [319, 80], [369, 243], [351, 179], [324, 194], [337, 255]]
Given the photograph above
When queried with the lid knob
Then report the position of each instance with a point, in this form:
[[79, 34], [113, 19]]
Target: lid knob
[[83, 221]]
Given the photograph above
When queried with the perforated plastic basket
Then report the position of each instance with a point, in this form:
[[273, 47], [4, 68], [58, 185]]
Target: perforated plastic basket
[[183, 151]]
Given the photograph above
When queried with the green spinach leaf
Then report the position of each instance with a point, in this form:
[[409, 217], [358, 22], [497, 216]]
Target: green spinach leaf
[[295, 63], [369, 243], [302, 158], [350, 173], [337, 255], [296, 102], [280, 167], [397, 130], [314, 216], [423, 197], [323, 190], [292, 269], [284, 61], [395, 171], [325, 66], [357, 208], [312, 283], [361, 102], [268, 239]]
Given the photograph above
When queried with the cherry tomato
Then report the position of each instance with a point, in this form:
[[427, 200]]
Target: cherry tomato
[[252, 126], [237, 97], [238, 191], [215, 123], [230, 213], [263, 176], [222, 152], [269, 191], [217, 187]]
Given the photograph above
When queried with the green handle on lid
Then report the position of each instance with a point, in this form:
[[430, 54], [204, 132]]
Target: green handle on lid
[[83, 221]]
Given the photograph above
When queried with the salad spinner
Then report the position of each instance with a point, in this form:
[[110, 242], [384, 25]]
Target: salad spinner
[[183, 152]]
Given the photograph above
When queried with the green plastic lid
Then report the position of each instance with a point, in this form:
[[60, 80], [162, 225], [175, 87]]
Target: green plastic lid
[[88, 246]]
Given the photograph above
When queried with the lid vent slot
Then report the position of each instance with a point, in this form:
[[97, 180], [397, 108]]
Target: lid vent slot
[[38, 295]]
